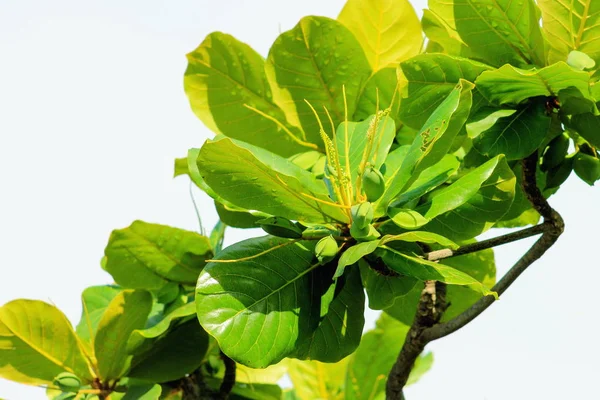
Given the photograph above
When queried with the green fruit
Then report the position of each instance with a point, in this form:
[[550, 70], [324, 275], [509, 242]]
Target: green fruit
[[556, 152], [362, 214], [67, 382], [557, 175], [587, 168], [364, 234], [373, 183], [281, 227], [326, 249], [580, 61]]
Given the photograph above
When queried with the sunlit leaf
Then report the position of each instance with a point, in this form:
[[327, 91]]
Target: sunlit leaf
[[315, 380], [382, 85], [138, 392], [95, 301], [224, 75], [496, 31], [312, 62], [388, 30], [571, 26], [37, 342]]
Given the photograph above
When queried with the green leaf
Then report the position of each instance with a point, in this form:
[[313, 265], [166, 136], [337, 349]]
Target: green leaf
[[224, 75], [429, 78], [517, 135], [382, 84], [315, 380], [370, 365], [340, 329], [95, 301], [143, 338], [441, 37], [404, 307], [428, 180], [383, 290], [127, 312], [462, 215], [149, 256], [178, 353], [496, 31], [256, 179], [422, 364], [37, 342], [139, 392], [571, 26], [355, 253], [356, 141], [479, 265], [312, 62], [389, 31], [511, 85], [419, 236], [270, 375], [588, 126], [261, 306], [431, 144], [424, 270]]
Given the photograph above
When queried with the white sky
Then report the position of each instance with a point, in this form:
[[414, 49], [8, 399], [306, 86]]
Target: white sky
[[92, 114]]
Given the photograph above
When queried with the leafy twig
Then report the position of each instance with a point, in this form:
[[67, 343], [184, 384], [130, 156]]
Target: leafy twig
[[421, 332]]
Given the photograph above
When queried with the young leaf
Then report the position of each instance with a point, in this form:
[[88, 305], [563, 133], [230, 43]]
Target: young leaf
[[571, 26], [173, 356], [422, 364], [316, 380], [312, 62], [147, 256], [441, 37], [496, 31], [431, 144], [517, 135], [430, 78], [389, 31], [270, 375], [37, 342], [126, 312], [494, 186], [259, 308], [340, 329], [224, 75], [511, 85], [139, 392], [256, 179], [95, 301], [355, 253]]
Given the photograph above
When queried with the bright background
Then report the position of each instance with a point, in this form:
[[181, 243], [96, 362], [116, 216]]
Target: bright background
[[92, 114]]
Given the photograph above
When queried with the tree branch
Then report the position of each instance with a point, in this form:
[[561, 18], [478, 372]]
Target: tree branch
[[420, 333], [228, 378]]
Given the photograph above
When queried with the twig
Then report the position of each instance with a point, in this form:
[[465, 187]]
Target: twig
[[228, 378], [420, 334]]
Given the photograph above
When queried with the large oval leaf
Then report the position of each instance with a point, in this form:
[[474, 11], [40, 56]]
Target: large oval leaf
[[379, 92], [148, 256], [223, 76], [95, 300], [256, 179], [571, 26], [497, 31], [312, 62], [126, 312], [383, 289], [260, 308], [37, 342], [388, 30]]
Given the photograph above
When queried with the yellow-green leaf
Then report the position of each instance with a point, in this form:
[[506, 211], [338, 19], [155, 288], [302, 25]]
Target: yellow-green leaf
[[388, 30]]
